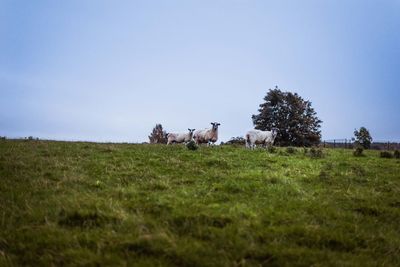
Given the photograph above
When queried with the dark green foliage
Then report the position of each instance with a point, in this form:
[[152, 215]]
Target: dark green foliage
[[291, 150], [358, 151], [316, 152], [191, 145], [294, 117], [363, 137], [386, 154], [396, 154], [88, 204], [236, 141], [271, 149], [158, 135]]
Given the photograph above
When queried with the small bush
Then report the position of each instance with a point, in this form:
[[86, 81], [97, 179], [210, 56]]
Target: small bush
[[291, 150], [271, 149], [158, 135], [386, 154], [316, 152], [191, 145], [358, 152], [236, 141], [396, 154], [305, 150]]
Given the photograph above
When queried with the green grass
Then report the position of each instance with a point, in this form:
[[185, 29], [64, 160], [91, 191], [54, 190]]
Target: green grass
[[90, 204]]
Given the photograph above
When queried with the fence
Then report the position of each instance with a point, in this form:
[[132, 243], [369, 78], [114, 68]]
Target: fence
[[349, 143], [338, 143]]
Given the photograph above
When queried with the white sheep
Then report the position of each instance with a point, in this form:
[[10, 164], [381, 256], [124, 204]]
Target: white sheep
[[180, 137], [207, 135], [264, 138]]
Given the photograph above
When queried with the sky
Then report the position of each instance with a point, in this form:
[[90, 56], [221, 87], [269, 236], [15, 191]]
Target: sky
[[108, 71]]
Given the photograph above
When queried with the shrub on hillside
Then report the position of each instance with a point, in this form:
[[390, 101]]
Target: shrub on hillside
[[271, 149], [358, 152], [191, 145], [396, 154], [158, 135], [386, 154], [236, 141], [316, 152], [291, 150]]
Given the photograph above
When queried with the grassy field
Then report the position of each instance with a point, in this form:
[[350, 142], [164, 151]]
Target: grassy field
[[94, 204]]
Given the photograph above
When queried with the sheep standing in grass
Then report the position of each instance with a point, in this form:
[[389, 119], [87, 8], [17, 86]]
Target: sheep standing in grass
[[180, 137], [207, 135], [264, 138]]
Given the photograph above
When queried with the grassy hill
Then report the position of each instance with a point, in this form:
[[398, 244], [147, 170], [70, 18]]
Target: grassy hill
[[65, 203]]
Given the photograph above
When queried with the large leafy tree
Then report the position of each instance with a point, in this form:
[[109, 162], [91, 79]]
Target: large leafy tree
[[294, 117], [363, 137]]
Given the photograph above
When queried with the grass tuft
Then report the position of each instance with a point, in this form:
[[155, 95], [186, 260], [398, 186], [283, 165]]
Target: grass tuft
[[84, 219]]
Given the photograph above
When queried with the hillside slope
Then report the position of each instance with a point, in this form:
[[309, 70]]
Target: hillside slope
[[64, 203]]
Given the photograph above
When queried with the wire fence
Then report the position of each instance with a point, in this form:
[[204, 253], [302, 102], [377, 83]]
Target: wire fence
[[349, 143]]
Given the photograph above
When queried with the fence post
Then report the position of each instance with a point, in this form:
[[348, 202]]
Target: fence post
[[345, 143], [334, 143]]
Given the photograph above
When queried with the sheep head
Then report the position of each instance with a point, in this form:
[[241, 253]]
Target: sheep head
[[191, 132], [215, 125]]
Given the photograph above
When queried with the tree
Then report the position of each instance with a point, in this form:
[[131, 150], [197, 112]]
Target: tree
[[158, 135], [363, 137], [295, 119]]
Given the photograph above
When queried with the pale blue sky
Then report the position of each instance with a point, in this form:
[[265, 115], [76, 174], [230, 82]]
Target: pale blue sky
[[110, 70]]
